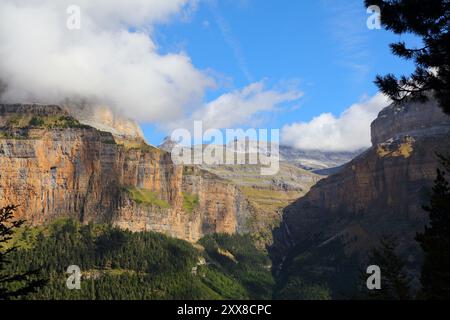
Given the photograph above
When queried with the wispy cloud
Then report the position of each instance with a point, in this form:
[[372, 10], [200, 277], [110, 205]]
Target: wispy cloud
[[347, 25], [45, 62], [244, 107], [230, 39]]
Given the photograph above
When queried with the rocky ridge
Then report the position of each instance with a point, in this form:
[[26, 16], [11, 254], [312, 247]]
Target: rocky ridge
[[54, 166], [380, 192]]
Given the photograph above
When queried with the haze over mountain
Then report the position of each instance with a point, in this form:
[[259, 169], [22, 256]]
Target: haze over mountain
[[311, 160]]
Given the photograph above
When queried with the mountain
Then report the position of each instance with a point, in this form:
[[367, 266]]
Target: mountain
[[266, 195], [85, 162], [167, 144], [103, 118], [54, 166], [325, 235], [317, 161]]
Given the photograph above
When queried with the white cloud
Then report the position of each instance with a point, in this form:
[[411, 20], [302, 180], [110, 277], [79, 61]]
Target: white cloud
[[348, 132], [43, 61], [114, 13], [242, 107], [113, 60]]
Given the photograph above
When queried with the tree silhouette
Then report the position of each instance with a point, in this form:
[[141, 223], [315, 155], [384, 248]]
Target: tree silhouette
[[395, 283], [20, 284], [429, 20], [435, 240]]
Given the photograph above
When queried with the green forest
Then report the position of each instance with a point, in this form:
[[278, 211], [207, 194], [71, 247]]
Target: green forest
[[118, 264]]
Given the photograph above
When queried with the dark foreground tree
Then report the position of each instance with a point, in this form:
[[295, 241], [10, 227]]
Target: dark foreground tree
[[435, 240], [13, 285], [297, 289], [430, 21], [395, 283]]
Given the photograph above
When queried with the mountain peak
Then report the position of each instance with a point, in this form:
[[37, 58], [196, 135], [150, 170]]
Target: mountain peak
[[167, 144], [409, 118], [104, 118]]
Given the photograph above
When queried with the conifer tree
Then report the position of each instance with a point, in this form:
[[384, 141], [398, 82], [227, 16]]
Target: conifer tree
[[435, 240], [395, 283], [13, 285], [430, 21]]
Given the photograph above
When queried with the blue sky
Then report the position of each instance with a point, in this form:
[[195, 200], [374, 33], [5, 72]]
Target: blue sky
[[304, 67], [324, 48]]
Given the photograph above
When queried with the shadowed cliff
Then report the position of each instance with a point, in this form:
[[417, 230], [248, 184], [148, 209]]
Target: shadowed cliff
[[326, 234]]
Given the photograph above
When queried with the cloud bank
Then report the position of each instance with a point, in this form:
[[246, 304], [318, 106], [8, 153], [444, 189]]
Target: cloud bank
[[348, 132], [43, 61], [113, 60]]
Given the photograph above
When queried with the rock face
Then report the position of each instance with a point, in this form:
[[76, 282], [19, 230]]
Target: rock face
[[167, 145], [316, 160], [103, 118], [409, 119], [266, 195], [381, 192], [53, 166]]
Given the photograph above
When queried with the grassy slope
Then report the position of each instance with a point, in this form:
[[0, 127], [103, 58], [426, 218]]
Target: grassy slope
[[146, 197]]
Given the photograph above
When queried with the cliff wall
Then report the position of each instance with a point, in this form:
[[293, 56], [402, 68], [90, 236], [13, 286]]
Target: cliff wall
[[53, 166], [381, 192]]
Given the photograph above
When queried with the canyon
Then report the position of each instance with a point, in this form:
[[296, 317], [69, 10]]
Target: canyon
[[85, 162], [89, 164]]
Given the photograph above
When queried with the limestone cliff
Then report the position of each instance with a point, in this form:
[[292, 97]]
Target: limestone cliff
[[53, 166], [104, 118], [381, 192]]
